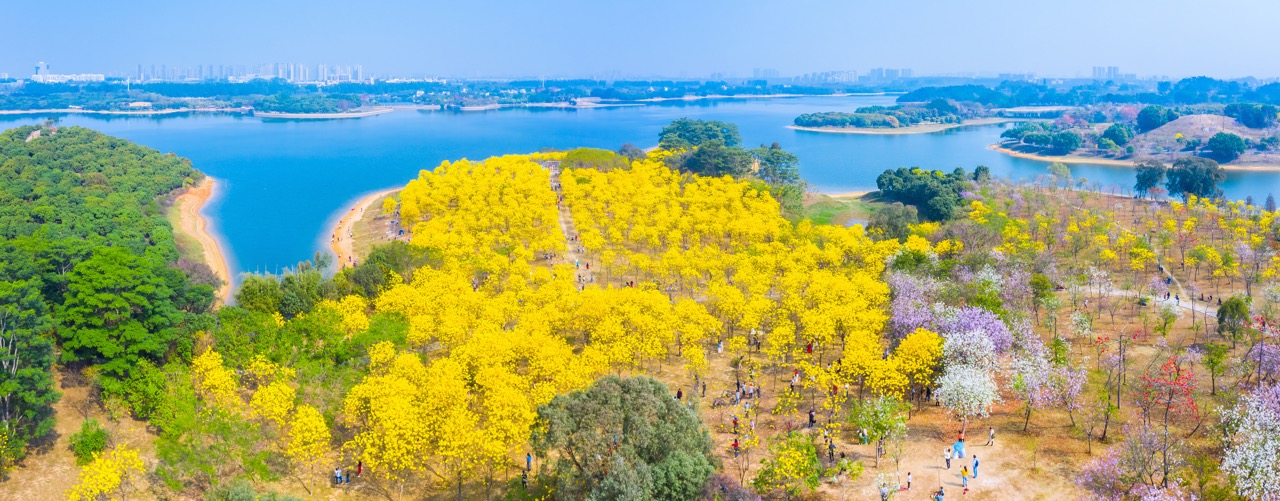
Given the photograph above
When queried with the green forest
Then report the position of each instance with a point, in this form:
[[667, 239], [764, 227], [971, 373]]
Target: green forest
[[88, 264]]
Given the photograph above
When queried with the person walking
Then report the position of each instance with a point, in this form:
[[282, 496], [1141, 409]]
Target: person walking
[[975, 466], [991, 436], [528, 461], [946, 454], [813, 418]]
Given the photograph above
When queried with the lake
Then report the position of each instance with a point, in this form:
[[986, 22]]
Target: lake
[[284, 183]]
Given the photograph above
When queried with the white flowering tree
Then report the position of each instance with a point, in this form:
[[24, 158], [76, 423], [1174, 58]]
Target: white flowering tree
[[969, 347], [1251, 451], [967, 392]]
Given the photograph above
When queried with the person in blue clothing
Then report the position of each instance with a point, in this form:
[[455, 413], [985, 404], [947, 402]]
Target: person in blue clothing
[[528, 462], [975, 466]]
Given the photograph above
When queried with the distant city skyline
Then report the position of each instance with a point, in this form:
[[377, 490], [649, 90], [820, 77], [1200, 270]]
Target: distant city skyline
[[336, 73], [661, 38]]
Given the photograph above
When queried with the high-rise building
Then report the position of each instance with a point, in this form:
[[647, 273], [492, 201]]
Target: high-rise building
[[1104, 73]]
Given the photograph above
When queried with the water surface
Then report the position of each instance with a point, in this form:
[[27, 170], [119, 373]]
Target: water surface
[[285, 182]]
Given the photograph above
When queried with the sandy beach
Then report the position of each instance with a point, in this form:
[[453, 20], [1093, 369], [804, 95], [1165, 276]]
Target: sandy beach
[[194, 225], [913, 129], [1072, 159], [342, 249], [845, 194]]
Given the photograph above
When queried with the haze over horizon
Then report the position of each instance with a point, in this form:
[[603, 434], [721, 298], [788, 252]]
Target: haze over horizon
[[577, 38]]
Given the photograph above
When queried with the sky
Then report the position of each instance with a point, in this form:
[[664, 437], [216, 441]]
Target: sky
[[618, 38]]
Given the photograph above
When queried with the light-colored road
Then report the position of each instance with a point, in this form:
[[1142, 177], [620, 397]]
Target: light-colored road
[[573, 254]]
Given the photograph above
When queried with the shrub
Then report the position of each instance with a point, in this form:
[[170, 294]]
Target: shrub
[[89, 441]]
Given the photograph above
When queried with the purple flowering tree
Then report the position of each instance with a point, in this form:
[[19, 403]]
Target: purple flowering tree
[[974, 319], [912, 304], [1131, 468]]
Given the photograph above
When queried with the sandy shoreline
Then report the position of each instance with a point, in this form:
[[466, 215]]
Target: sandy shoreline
[[913, 129], [192, 223], [844, 194], [342, 249], [1070, 159]]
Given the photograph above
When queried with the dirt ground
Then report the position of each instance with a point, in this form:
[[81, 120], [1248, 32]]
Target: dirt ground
[[50, 471]]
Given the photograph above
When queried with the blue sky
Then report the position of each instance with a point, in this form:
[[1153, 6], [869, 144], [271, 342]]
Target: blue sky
[[692, 38]]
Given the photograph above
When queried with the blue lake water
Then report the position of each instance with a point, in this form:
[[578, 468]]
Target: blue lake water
[[283, 183]]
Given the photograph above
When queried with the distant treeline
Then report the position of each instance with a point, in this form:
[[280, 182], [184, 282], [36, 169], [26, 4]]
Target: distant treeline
[[1196, 90], [937, 111]]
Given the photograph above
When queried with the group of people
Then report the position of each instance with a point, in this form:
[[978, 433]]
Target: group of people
[[341, 478], [956, 451]]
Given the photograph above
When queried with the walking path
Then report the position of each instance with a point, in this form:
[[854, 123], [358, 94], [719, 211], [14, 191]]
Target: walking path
[[566, 226], [341, 238]]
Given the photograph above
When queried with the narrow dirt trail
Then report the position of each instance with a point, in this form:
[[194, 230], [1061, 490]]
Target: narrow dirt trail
[[574, 252]]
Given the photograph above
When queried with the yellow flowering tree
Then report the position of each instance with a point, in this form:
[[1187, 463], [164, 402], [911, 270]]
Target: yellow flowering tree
[[107, 475]]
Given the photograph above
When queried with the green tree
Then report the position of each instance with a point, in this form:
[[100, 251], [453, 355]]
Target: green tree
[[27, 391], [1149, 173], [715, 158], [1118, 133], [624, 435], [981, 174], [686, 133], [1233, 318], [1152, 117], [777, 166], [1214, 360], [90, 440], [1226, 146], [881, 418], [893, 220], [1061, 173], [117, 312], [1065, 142], [934, 193], [791, 466], [1195, 176]]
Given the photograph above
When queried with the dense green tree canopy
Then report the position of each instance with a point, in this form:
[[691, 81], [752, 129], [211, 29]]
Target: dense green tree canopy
[[894, 219], [1252, 115], [84, 250], [1226, 146], [1152, 117], [1118, 133], [1195, 176], [714, 158], [687, 132], [934, 193], [1150, 173], [624, 436]]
